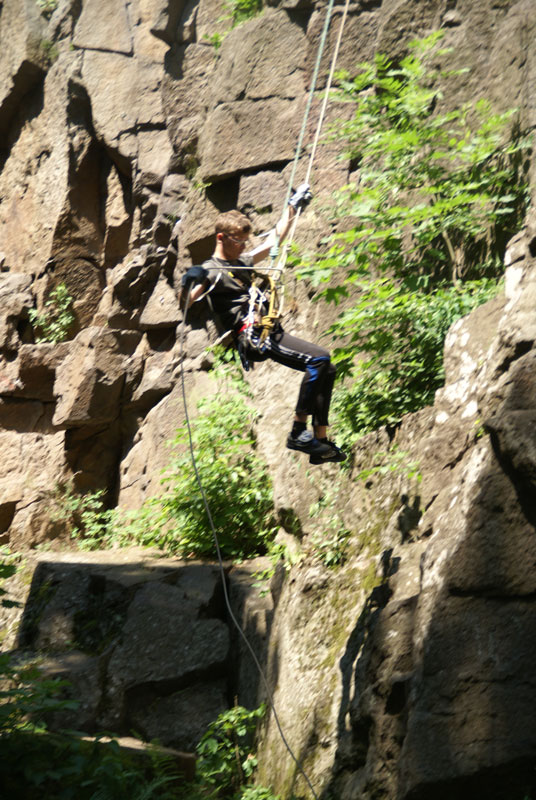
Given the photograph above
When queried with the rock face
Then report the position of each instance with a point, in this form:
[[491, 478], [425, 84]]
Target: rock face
[[115, 201], [430, 679], [125, 132], [143, 643]]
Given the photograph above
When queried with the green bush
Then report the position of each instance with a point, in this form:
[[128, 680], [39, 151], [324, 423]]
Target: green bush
[[401, 335], [438, 195], [235, 481]]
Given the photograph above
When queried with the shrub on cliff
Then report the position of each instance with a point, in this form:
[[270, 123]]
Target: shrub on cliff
[[438, 194]]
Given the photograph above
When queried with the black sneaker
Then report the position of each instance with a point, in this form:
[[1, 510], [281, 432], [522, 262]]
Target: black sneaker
[[335, 454], [306, 442]]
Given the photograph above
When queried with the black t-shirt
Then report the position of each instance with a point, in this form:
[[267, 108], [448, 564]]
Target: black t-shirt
[[230, 290]]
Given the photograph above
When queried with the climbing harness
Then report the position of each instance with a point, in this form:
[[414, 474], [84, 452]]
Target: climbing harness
[[268, 320]]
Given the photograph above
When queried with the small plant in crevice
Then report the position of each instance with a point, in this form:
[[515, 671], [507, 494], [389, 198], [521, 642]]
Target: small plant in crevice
[[237, 11], [50, 50], [215, 40], [331, 538], [8, 568], [394, 461], [47, 7], [54, 321], [242, 10], [278, 553]]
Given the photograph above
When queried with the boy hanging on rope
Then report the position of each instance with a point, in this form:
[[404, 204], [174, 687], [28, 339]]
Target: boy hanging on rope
[[229, 295]]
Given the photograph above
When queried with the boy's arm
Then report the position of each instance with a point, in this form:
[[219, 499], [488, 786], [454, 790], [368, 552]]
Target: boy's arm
[[300, 199]]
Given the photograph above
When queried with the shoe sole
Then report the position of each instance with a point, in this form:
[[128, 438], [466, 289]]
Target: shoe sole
[[315, 460], [313, 453]]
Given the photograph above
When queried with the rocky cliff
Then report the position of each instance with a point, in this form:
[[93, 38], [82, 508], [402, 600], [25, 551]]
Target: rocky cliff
[[408, 672]]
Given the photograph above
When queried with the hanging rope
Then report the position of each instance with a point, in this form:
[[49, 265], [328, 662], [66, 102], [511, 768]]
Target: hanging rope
[[279, 260], [220, 559]]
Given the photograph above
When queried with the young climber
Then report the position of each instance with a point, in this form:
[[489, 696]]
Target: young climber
[[229, 295]]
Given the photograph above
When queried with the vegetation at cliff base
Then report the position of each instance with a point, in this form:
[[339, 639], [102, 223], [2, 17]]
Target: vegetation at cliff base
[[422, 230], [235, 480]]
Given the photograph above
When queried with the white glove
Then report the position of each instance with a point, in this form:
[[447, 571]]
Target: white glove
[[301, 197]]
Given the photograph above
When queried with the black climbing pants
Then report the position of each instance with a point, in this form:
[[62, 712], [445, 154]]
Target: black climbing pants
[[317, 385]]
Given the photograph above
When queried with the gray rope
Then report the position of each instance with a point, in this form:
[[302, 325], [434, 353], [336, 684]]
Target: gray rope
[[220, 559]]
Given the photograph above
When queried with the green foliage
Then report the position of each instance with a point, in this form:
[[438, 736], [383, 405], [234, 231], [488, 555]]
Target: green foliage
[[25, 697], [237, 11], [401, 334], [258, 793], [235, 481], [46, 7], [226, 762], [56, 318], [278, 553], [438, 195], [331, 539], [242, 10], [394, 461], [8, 568], [50, 50], [215, 39]]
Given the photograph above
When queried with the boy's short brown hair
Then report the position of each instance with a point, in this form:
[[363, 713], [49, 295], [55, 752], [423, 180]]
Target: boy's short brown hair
[[233, 223]]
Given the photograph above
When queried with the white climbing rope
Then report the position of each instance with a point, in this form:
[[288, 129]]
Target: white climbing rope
[[282, 257]]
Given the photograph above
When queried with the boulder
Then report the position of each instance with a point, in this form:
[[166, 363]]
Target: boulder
[[162, 309], [165, 647], [104, 26], [90, 380]]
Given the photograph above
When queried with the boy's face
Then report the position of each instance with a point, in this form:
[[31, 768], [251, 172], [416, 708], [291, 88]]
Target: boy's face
[[233, 244]]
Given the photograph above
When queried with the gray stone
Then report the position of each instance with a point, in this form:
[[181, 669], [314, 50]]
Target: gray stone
[[162, 309], [166, 647], [179, 719], [104, 26]]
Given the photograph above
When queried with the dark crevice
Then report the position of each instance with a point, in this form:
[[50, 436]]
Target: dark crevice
[[163, 688], [24, 104], [142, 127], [300, 16], [490, 593], [521, 349], [396, 701], [514, 780], [524, 488], [224, 193]]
